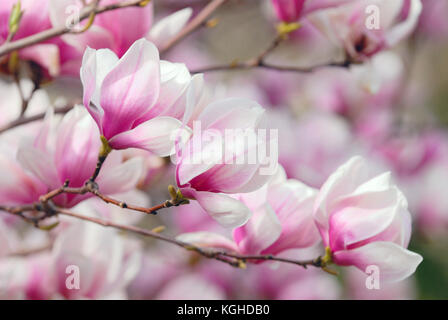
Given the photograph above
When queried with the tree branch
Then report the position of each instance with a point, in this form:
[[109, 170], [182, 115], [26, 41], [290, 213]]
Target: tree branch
[[22, 120], [230, 258], [11, 46], [194, 24], [247, 65]]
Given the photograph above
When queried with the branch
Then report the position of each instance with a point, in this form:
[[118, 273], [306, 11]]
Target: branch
[[92, 187], [230, 258], [194, 24], [9, 47], [259, 62], [22, 120], [247, 65]]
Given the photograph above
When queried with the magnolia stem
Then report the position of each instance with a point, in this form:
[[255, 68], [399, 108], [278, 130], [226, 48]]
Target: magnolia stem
[[230, 258]]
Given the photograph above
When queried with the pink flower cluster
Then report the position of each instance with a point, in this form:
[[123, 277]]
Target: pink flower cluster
[[322, 163]]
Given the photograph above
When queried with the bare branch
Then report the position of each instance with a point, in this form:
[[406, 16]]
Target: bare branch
[[231, 258], [25, 120], [194, 24]]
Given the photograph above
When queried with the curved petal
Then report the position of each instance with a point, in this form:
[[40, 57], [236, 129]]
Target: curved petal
[[231, 113], [96, 64], [261, 231], [228, 211], [121, 178], [405, 28], [208, 240], [157, 135], [37, 162], [342, 182], [395, 263], [131, 88]]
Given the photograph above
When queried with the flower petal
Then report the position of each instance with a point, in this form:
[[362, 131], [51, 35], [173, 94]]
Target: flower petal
[[395, 263], [131, 88], [157, 135], [261, 231], [208, 240], [228, 211]]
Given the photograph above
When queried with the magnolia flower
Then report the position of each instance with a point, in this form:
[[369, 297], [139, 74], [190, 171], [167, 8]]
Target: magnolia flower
[[363, 220], [35, 19], [281, 220], [292, 10], [98, 262], [216, 161], [68, 151], [361, 33], [116, 30], [107, 262], [127, 99]]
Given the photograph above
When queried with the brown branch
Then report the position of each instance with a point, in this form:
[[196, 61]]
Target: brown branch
[[92, 187], [48, 34], [233, 259], [25, 120], [253, 64], [260, 62], [194, 24]]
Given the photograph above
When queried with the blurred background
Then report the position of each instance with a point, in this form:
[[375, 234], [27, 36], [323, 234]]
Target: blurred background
[[393, 109]]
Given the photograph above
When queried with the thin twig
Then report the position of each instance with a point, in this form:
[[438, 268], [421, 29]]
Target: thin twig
[[233, 259], [25, 120], [48, 34], [194, 24], [247, 65]]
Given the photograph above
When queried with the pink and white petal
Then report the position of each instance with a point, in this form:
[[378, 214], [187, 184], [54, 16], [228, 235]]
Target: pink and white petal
[[175, 79], [126, 25], [205, 239], [96, 64], [37, 162], [157, 135], [228, 211], [231, 113], [201, 153], [121, 178], [131, 88], [169, 26], [395, 263], [260, 232], [342, 182], [405, 28], [363, 216]]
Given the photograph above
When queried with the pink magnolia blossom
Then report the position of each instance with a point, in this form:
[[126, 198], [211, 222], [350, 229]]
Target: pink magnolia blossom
[[107, 263], [129, 101], [116, 30], [281, 220], [68, 151], [214, 163], [35, 19], [363, 219], [346, 26]]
